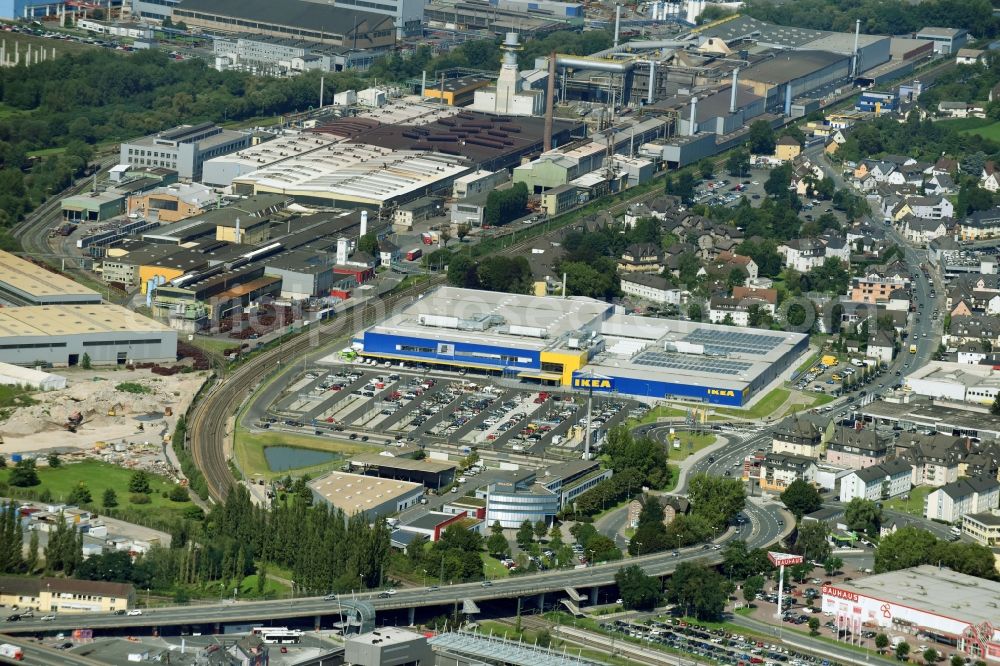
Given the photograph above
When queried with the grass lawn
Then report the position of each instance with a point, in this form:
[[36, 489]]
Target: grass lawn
[[914, 505], [661, 413], [762, 408], [215, 345], [990, 131], [249, 449], [964, 124], [492, 567], [99, 477], [690, 444], [272, 588]]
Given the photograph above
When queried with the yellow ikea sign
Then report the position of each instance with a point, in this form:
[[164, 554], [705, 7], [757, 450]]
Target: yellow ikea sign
[[587, 382], [723, 392]]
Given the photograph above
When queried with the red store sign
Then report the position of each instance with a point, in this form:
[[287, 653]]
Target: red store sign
[[837, 593]]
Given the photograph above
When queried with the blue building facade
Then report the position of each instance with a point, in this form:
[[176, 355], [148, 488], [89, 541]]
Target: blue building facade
[[461, 354], [877, 102]]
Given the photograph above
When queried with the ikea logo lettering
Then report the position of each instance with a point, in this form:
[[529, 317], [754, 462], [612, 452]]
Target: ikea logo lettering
[[586, 382], [723, 392]]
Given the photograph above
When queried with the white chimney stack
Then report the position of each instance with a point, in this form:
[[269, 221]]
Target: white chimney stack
[[694, 114], [857, 36], [341, 251], [652, 82], [732, 95], [618, 21], [364, 222]]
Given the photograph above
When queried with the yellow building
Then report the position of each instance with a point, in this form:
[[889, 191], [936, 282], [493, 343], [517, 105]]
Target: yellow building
[[243, 230], [456, 92], [786, 149], [559, 199], [65, 595]]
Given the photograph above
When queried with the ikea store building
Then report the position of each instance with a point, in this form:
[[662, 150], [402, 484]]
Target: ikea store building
[[583, 343]]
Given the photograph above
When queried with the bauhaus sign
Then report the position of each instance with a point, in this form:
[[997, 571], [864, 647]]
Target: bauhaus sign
[[783, 559], [837, 593], [593, 383]]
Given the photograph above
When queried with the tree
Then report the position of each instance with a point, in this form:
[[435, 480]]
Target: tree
[[139, 482], [761, 138], [778, 181], [810, 541], [694, 312], [752, 586], [541, 529], [497, 546], [496, 527], [814, 626], [706, 168], [462, 231], [85, 362], [53, 460], [801, 497], [902, 651], [741, 563], [525, 535], [957, 660], [832, 565], [716, 499], [995, 407], [24, 474], [31, 558], [930, 655], [881, 642], [638, 591], [863, 515], [368, 244], [906, 547], [650, 534], [110, 499], [80, 495], [445, 235], [179, 494], [699, 590], [603, 549], [738, 163], [502, 206]]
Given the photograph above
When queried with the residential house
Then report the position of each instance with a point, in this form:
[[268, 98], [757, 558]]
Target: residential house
[[388, 253], [876, 482], [961, 110], [881, 347], [953, 500], [722, 307], [786, 148], [876, 288], [973, 328], [672, 507], [930, 207], [982, 223], [642, 258], [650, 287], [732, 260], [922, 231], [857, 449], [803, 254], [797, 437], [934, 460], [939, 184], [968, 56], [779, 470], [990, 178], [881, 170], [766, 298], [945, 166]]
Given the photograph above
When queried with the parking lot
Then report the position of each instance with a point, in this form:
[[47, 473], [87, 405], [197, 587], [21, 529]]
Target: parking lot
[[822, 378], [393, 405]]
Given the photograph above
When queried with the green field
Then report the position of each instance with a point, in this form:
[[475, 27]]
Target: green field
[[249, 449], [991, 131], [492, 567], [914, 504], [99, 477], [764, 407], [964, 124], [690, 444]]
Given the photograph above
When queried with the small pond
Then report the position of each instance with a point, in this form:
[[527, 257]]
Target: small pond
[[281, 458]]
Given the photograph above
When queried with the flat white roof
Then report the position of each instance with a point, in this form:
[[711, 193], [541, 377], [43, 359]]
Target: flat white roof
[[281, 148], [56, 320], [354, 493], [966, 374], [32, 280], [410, 110]]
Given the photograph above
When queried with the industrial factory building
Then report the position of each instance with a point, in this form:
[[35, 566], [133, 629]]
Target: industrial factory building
[[25, 283], [60, 335], [562, 341]]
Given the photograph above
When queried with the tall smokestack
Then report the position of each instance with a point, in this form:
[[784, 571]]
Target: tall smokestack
[[694, 114], [423, 84], [652, 81], [364, 222], [857, 36], [732, 94], [550, 93], [618, 21], [321, 81], [788, 98]]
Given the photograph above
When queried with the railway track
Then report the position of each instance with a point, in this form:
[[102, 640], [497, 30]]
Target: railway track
[[209, 418]]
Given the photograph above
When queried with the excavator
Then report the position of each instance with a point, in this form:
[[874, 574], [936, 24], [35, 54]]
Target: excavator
[[73, 421]]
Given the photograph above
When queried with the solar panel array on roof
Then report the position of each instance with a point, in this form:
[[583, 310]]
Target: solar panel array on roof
[[719, 366], [733, 342]]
